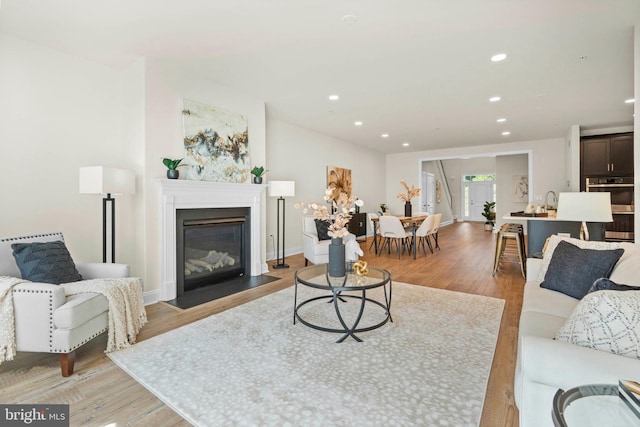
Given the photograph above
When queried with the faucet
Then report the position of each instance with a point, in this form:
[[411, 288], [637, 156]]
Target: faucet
[[555, 200]]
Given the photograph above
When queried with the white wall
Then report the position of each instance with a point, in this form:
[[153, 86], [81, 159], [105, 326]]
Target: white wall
[[57, 113], [298, 154], [506, 168]]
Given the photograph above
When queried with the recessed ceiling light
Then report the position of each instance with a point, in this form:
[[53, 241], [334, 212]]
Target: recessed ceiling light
[[499, 57], [506, 133], [358, 123], [630, 101], [494, 99], [501, 120], [405, 144], [349, 19], [334, 97], [385, 135]]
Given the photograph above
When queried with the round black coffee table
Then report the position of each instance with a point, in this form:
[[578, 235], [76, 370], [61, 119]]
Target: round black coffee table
[[340, 291]]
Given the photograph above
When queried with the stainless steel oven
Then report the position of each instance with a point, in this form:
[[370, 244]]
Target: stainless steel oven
[[622, 207]]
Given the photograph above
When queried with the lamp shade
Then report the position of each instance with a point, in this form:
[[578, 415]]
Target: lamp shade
[[588, 207], [282, 188], [103, 180]]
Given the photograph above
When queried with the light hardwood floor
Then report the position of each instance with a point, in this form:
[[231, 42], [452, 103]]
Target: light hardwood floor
[[100, 394]]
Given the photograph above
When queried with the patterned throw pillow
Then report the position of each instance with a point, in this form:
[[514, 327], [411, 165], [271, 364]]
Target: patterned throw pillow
[[552, 243], [45, 262], [607, 321], [572, 270], [322, 228]]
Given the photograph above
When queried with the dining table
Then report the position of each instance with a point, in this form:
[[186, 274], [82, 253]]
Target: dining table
[[407, 221]]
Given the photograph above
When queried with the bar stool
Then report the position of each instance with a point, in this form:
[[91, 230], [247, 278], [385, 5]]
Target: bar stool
[[510, 232]]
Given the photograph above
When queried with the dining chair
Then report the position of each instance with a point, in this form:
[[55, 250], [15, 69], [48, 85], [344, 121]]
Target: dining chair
[[391, 230], [422, 234], [376, 228], [434, 230]]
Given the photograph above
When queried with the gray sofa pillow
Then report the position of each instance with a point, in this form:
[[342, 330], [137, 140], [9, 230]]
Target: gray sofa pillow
[[45, 262], [572, 270], [604, 284]]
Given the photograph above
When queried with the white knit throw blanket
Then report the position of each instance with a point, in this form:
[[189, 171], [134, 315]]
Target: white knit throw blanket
[[126, 310], [126, 307], [7, 320]]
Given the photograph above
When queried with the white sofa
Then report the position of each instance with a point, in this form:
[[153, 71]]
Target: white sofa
[[46, 319], [545, 365]]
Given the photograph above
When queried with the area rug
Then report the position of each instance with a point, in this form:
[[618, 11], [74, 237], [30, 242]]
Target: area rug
[[251, 366]]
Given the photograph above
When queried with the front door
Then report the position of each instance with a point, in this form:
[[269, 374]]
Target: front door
[[476, 193]]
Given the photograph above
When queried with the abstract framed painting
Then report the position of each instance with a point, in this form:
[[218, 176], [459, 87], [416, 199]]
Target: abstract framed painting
[[216, 144], [339, 179]]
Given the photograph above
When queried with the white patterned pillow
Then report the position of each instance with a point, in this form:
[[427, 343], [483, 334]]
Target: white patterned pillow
[[553, 241], [607, 321]]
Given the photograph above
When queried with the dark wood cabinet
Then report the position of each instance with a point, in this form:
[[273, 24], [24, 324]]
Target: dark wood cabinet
[[606, 155], [358, 224]]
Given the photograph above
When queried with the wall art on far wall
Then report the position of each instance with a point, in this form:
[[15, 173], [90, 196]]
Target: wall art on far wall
[[520, 188], [216, 144], [339, 179]]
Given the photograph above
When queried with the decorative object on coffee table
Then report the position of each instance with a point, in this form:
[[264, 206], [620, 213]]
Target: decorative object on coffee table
[[336, 266], [338, 215], [171, 164]]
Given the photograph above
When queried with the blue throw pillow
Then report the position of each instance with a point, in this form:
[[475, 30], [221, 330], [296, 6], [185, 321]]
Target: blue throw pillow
[[45, 262], [572, 270], [322, 228], [604, 284]]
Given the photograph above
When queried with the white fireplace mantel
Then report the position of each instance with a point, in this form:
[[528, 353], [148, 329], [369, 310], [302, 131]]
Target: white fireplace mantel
[[185, 194]]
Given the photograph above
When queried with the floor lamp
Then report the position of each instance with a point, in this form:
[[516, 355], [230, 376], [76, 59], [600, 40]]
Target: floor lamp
[[584, 207], [109, 181], [281, 189]]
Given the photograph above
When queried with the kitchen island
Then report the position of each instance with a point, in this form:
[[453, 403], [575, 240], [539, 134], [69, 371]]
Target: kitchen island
[[539, 228]]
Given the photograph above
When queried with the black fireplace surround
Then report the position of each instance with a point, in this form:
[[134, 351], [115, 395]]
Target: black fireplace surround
[[212, 247]]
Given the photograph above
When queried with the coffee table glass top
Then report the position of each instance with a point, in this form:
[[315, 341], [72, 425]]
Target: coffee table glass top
[[316, 276], [596, 405]]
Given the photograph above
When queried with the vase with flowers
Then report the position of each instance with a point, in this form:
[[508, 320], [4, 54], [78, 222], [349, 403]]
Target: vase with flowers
[[338, 215], [406, 197]]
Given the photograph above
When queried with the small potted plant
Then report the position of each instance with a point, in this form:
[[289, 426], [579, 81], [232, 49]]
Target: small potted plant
[[489, 214], [258, 172], [171, 164], [383, 209]]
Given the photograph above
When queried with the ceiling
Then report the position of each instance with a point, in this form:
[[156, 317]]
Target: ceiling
[[417, 70]]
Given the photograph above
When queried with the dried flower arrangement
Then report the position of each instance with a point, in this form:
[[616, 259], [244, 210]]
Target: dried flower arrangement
[[411, 192], [342, 204]]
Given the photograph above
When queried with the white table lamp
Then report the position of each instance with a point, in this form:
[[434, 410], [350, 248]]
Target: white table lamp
[[281, 189], [109, 181], [585, 207]]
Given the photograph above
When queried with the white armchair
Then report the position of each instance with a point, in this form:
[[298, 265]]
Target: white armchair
[[316, 250], [46, 319]]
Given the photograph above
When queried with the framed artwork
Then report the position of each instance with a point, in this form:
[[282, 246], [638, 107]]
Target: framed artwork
[[520, 188], [339, 179], [216, 144]]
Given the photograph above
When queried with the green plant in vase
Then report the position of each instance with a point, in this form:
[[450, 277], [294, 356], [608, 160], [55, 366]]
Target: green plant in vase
[[489, 214], [258, 172], [172, 164]]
